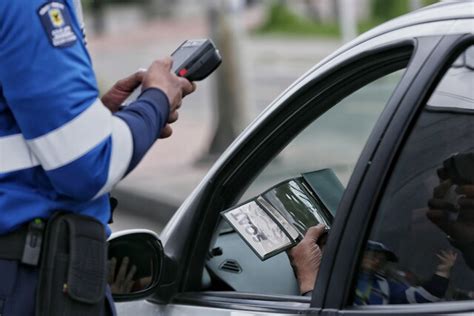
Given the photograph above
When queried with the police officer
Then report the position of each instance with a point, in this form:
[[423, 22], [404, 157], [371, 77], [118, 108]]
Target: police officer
[[61, 146]]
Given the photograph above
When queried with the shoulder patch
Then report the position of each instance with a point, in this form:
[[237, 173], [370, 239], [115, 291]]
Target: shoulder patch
[[56, 21]]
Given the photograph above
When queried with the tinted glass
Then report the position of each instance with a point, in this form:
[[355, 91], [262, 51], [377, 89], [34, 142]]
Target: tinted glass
[[334, 141], [421, 248]]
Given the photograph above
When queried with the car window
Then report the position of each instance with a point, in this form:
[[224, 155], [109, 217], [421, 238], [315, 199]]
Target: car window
[[333, 141], [421, 245]]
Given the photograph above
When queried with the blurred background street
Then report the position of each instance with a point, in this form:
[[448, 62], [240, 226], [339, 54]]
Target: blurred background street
[[266, 45]]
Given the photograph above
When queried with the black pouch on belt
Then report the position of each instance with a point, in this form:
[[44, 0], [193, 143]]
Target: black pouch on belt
[[73, 267]]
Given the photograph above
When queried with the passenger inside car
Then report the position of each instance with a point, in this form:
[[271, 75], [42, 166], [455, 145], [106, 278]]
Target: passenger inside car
[[377, 283]]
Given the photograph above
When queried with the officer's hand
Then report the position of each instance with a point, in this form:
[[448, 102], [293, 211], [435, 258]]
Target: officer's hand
[[167, 130], [447, 259], [458, 223], [121, 90], [306, 257], [159, 76]]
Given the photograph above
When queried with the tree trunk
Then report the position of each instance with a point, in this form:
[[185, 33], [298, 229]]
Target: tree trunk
[[227, 81], [99, 17]]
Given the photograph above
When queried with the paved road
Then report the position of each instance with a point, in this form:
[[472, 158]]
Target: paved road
[[169, 173]]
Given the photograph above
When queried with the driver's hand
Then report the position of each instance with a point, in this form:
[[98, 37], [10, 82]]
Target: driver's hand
[[122, 282], [305, 258]]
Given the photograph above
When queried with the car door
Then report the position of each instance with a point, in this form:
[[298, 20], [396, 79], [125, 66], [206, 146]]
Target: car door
[[395, 202], [189, 235]]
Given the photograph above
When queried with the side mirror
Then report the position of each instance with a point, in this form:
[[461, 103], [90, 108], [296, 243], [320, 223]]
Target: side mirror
[[135, 264]]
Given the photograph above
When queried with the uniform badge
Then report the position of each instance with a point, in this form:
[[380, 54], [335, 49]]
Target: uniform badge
[[56, 17], [56, 21]]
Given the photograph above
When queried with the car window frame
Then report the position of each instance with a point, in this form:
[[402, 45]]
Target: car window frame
[[436, 56], [372, 61]]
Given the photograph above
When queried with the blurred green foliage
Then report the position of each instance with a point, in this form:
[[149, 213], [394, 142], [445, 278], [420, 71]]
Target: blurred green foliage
[[88, 4], [283, 20], [384, 10]]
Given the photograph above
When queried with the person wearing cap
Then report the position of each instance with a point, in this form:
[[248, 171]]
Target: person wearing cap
[[373, 286]]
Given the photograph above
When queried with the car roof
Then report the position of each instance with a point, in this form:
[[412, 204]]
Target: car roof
[[436, 14], [442, 11]]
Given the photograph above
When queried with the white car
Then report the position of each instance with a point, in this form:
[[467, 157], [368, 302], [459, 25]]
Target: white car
[[384, 112]]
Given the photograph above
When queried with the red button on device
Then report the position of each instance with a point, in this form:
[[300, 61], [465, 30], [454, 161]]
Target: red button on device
[[183, 72]]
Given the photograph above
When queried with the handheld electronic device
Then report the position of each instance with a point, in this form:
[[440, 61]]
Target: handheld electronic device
[[196, 59]]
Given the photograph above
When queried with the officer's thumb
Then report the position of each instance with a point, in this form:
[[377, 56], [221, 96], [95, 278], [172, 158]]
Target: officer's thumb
[[467, 190], [168, 63], [441, 189]]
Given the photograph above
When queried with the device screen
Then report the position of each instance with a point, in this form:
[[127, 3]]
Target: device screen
[[181, 55]]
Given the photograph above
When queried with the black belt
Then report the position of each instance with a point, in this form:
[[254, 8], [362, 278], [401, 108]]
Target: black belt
[[23, 244]]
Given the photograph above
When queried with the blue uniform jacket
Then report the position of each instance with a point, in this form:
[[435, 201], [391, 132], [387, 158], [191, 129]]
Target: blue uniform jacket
[[60, 147], [375, 289]]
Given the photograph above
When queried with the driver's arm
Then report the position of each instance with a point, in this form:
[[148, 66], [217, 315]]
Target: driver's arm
[[305, 259]]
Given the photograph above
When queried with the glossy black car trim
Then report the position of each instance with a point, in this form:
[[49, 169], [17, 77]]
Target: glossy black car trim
[[326, 276]]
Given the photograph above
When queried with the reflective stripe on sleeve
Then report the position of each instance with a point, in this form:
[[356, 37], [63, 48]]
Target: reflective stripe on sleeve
[[75, 138], [385, 289], [70, 142], [15, 154], [425, 295], [410, 294], [122, 149]]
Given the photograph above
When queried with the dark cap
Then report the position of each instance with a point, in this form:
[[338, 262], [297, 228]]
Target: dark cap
[[379, 247]]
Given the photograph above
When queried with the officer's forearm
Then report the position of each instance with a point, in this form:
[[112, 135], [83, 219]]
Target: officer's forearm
[[145, 117]]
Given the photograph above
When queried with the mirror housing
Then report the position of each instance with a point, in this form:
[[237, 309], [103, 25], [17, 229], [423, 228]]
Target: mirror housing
[[140, 273]]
